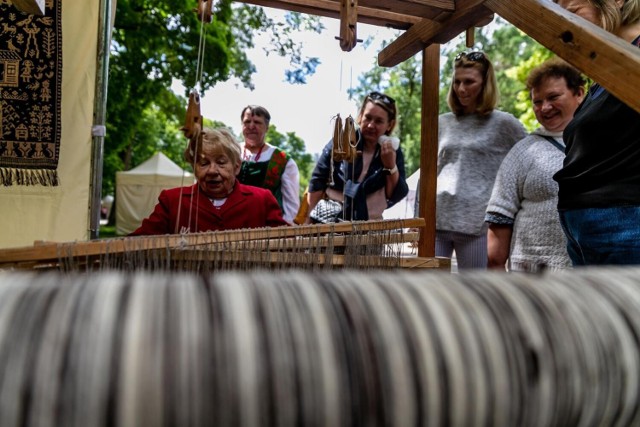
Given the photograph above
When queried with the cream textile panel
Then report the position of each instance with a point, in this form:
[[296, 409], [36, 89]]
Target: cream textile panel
[[30, 213]]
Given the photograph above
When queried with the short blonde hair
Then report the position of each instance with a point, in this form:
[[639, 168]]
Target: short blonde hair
[[490, 93], [220, 138]]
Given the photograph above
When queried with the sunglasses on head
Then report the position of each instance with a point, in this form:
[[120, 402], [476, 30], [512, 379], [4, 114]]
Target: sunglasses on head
[[472, 56], [385, 99]]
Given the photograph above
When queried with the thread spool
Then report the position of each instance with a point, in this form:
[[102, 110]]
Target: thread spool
[[293, 348]]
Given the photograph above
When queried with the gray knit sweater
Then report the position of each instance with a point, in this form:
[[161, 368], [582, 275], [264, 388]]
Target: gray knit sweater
[[526, 195], [470, 150]]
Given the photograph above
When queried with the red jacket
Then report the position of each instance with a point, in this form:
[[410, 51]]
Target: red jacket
[[246, 207]]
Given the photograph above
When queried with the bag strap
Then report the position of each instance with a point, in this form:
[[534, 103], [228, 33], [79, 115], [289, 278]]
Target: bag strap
[[554, 142]]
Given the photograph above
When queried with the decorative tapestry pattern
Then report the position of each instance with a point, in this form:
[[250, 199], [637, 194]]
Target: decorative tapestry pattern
[[30, 92]]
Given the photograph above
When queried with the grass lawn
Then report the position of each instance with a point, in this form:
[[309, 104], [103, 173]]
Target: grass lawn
[[107, 231]]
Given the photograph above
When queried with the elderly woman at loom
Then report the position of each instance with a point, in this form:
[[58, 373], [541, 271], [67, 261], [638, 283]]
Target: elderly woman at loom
[[375, 180], [217, 201]]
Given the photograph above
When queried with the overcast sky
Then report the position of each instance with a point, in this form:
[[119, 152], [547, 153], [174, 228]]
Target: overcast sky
[[304, 109]]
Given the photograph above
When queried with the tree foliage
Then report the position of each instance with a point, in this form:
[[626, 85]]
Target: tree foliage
[[522, 107], [295, 147], [156, 43]]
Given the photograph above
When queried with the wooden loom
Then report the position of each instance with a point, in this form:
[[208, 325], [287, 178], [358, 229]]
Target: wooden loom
[[361, 245], [610, 61], [427, 23]]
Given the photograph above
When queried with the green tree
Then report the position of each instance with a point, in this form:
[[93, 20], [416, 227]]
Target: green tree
[[522, 107], [156, 43], [295, 147]]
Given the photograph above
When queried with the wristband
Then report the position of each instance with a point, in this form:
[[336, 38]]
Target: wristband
[[390, 171]]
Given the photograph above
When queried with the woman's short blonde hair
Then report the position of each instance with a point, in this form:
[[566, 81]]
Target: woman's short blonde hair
[[490, 94], [222, 139], [613, 17]]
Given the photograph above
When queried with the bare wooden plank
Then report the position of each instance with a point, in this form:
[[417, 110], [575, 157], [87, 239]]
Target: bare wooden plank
[[468, 13], [331, 9], [419, 8], [429, 149], [35, 7], [609, 60], [426, 262]]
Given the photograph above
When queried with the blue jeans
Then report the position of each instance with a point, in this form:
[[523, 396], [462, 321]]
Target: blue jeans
[[602, 236]]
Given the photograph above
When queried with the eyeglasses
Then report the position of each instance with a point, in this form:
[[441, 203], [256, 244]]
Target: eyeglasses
[[472, 56], [385, 99]]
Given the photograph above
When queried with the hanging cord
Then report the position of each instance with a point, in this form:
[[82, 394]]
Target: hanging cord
[[353, 175], [193, 127], [200, 61], [353, 169]]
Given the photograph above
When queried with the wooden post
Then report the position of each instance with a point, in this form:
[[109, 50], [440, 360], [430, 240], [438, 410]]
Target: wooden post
[[348, 24], [429, 148], [471, 37]]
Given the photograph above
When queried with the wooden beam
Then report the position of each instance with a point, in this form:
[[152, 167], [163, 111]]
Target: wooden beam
[[419, 8], [53, 251], [35, 7], [429, 149], [609, 60], [468, 13], [348, 25], [331, 9]]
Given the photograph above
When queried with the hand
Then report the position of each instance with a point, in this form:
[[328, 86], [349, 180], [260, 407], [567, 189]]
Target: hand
[[387, 155]]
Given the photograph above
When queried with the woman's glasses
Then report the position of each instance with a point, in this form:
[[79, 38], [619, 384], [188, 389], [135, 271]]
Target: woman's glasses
[[472, 56], [385, 99]]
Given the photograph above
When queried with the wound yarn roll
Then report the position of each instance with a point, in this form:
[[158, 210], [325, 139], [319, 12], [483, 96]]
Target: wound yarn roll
[[327, 348]]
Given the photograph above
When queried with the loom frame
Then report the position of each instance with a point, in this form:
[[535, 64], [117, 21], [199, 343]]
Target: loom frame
[[605, 58]]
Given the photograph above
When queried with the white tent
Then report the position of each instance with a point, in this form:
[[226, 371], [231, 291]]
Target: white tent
[[405, 207], [137, 190]]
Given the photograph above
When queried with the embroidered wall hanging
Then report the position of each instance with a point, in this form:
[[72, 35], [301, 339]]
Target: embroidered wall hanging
[[30, 92]]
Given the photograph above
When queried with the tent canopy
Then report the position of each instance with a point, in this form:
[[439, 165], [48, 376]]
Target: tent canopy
[[137, 190], [405, 208]]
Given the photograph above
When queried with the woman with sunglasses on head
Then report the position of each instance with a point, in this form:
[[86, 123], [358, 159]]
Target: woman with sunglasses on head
[[599, 184], [375, 181], [472, 141]]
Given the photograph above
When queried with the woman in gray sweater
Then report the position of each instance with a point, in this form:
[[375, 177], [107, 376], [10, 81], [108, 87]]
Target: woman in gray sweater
[[473, 140], [524, 226]]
